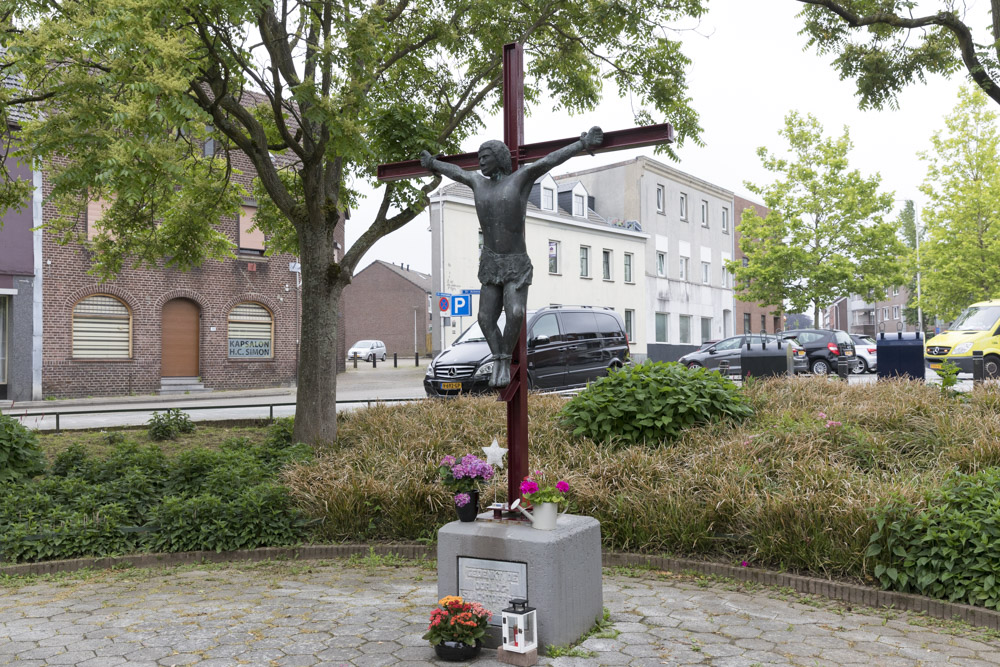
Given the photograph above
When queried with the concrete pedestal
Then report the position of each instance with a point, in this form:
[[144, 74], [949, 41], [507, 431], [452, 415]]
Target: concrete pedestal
[[562, 567]]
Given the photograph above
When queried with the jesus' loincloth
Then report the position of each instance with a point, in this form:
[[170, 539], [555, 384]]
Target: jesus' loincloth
[[502, 270]]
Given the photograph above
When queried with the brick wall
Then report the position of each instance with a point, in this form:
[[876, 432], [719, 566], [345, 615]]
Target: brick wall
[[379, 303], [216, 287], [744, 307]]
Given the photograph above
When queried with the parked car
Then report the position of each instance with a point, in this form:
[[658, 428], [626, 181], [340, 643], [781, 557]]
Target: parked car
[[568, 346], [823, 347], [729, 349], [976, 329], [368, 350], [865, 349]]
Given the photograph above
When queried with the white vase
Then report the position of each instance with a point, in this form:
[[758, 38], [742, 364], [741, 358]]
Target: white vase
[[545, 516]]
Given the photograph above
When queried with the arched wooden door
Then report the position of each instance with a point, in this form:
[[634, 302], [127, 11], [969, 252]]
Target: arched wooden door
[[179, 357]]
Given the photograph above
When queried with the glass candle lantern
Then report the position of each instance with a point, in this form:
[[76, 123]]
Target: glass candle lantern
[[520, 627]]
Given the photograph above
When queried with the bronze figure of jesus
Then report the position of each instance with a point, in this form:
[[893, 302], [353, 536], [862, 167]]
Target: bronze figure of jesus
[[505, 271]]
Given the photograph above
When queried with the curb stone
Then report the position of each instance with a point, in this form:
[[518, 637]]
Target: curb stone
[[854, 594]]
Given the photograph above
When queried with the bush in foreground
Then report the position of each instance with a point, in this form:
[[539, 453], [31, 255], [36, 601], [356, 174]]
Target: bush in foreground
[[653, 403], [20, 455]]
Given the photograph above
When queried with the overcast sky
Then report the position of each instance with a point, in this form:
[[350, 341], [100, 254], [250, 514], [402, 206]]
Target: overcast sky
[[749, 69]]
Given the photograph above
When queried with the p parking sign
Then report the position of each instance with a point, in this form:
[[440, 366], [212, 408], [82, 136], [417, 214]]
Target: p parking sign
[[461, 305]]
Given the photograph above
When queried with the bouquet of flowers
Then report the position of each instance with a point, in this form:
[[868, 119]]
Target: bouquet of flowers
[[538, 489], [457, 621], [464, 476]]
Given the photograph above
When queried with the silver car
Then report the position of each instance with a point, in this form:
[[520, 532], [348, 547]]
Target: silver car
[[730, 348], [864, 347], [369, 350]]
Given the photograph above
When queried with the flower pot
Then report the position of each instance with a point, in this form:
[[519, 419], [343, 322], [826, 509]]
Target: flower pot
[[545, 516], [457, 651], [469, 511]]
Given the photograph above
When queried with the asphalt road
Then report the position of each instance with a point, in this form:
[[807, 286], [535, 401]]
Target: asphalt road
[[355, 387]]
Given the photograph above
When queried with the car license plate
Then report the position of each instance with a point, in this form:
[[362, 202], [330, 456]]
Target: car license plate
[[451, 385], [848, 354], [800, 353], [935, 367]]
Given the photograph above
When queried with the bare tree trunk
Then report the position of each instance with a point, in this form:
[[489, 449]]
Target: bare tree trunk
[[995, 9], [315, 407], [817, 322]]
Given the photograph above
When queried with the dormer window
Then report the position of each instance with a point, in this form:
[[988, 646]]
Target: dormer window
[[548, 199], [578, 206]]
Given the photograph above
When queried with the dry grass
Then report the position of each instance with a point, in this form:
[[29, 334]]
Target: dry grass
[[782, 489]]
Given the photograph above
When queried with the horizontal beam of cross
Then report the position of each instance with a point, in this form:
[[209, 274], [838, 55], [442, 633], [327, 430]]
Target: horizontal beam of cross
[[636, 137]]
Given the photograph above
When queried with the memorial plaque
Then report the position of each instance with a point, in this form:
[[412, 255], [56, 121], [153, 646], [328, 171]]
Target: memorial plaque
[[492, 583]]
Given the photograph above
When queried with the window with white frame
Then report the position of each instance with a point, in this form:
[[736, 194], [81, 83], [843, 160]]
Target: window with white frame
[[706, 273], [895, 312], [885, 313], [251, 332], [682, 268], [630, 324], [548, 199], [606, 264], [584, 261], [725, 220], [578, 206], [727, 278], [746, 322], [684, 206], [685, 329], [661, 264], [102, 328], [895, 291], [704, 213], [661, 199], [627, 264], [662, 324], [553, 256]]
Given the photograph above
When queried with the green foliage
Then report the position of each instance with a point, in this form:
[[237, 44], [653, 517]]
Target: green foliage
[[948, 546], [20, 455], [949, 375], [824, 235], [886, 45], [652, 403], [168, 424], [961, 262], [136, 499]]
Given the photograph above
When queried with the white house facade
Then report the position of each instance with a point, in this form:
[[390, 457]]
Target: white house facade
[[578, 257], [688, 224]]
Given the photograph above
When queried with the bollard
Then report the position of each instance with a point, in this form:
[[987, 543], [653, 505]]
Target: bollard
[[978, 369], [355, 361], [724, 368], [394, 361], [416, 359], [843, 367], [374, 361]]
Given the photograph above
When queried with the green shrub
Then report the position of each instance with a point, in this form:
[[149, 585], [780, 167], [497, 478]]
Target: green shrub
[[653, 403], [948, 547], [280, 432], [168, 424], [20, 455]]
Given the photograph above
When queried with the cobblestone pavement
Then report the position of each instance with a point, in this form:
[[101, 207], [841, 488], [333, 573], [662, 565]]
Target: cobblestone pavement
[[335, 614]]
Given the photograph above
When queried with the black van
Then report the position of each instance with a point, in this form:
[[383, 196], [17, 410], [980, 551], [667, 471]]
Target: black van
[[568, 346]]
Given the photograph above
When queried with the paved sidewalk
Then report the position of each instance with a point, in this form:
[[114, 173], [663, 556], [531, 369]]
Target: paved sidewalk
[[305, 614]]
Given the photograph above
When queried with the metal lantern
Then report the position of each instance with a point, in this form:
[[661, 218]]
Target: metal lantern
[[520, 627]]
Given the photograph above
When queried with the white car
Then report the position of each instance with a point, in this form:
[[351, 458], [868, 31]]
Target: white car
[[368, 350], [864, 347]]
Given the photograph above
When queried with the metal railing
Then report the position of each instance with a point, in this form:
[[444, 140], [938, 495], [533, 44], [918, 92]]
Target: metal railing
[[58, 413]]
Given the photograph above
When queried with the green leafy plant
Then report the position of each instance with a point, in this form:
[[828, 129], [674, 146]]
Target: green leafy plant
[[949, 375], [652, 403], [538, 489], [168, 424], [20, 455], [948, 546], [456, 620]]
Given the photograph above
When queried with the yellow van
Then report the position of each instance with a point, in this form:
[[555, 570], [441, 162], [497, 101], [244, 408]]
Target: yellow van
[[977, 328]]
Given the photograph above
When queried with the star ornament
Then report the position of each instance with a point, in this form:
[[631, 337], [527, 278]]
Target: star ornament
[[494, 454]]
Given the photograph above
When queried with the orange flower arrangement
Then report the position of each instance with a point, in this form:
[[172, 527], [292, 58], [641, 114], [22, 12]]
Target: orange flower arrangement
[[456, 620]]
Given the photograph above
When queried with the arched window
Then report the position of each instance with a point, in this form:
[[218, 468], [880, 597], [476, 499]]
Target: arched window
[[102, 328], [251, 332]]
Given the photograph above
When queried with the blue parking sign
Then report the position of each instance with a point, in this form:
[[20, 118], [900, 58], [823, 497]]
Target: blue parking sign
[[461, 305]]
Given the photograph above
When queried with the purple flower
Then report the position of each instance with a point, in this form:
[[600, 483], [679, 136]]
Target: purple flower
[[821, 415], [462, 499], [744, 564], [528, 487], [562, 486], [832, 424], [448, 460]]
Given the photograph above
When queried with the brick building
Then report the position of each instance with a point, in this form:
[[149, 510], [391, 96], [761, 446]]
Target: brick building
[[752, 316], [390, 303]]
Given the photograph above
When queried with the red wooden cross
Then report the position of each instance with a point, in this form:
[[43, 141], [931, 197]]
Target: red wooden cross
[[516, 393]]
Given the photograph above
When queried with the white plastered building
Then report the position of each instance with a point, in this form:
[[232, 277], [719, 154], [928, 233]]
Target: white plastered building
[[579, 258]]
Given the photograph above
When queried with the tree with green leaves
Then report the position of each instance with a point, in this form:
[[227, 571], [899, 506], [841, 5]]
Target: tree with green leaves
[[886, 45], [912, 238], [961, 258], [823, 236], [315, 94]]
